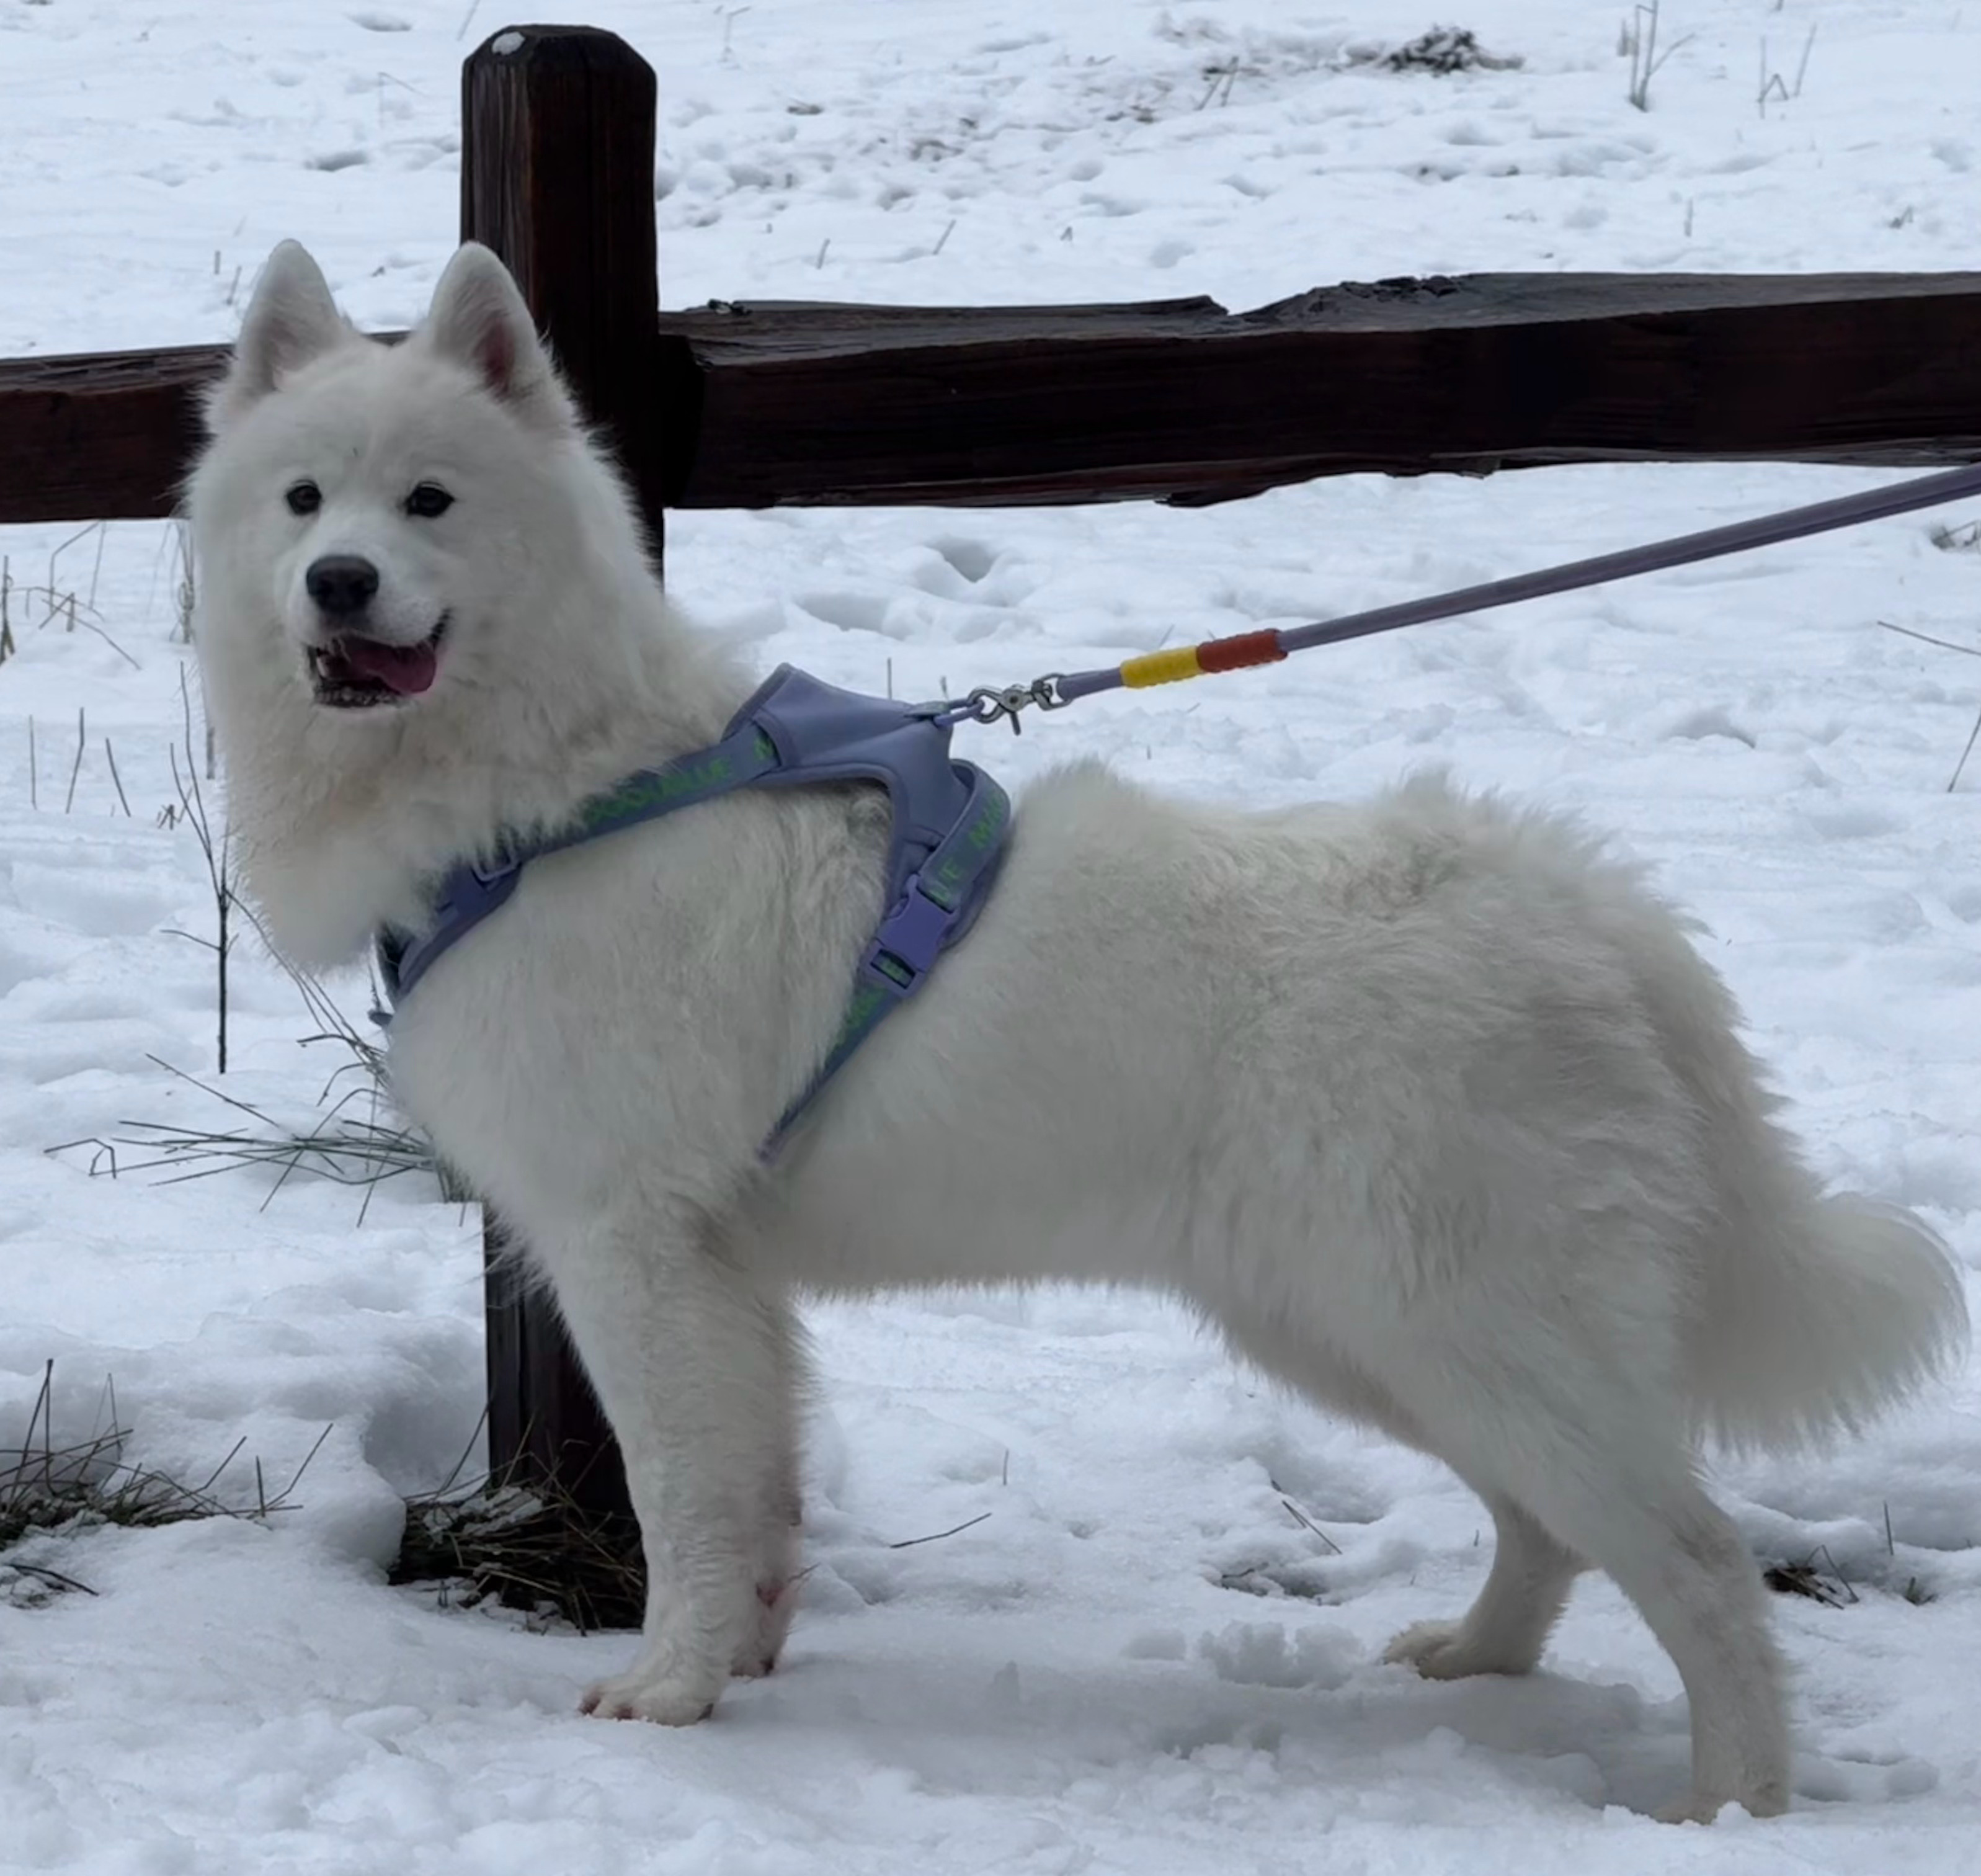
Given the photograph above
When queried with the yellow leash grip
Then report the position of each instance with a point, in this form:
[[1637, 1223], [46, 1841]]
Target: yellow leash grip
[[1171, 667]]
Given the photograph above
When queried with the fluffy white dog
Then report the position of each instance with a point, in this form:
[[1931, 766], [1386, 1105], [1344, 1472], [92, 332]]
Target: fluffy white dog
[[1431, 1108]]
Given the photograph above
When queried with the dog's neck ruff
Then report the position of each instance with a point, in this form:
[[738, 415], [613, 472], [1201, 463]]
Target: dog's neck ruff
[[950, 820]]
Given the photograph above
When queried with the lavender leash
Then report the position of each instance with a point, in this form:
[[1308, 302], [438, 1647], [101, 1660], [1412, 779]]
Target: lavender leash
[[987, 705]]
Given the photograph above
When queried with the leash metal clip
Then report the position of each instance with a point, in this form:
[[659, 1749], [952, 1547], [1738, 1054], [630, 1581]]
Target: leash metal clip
[[990, 704]]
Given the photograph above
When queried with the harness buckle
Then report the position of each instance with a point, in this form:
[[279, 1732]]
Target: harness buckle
[[473, 891], [909, 942]]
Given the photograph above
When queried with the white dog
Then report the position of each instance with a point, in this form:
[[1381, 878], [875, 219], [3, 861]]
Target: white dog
[[1431, 1108]]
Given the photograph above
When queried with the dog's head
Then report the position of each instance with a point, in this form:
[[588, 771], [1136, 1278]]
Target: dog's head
[[368, 506]]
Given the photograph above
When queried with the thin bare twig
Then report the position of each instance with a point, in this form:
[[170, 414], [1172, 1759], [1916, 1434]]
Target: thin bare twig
[[1307, 1523], [75, 769], [1946, 645], [46, 1574], [116, 780], [936, 1537], [1926, 638]]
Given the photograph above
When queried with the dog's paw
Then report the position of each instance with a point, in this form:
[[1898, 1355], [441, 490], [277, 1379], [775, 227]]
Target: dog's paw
[[1441, 1652], [668, 1699], [1697, 1808], [758, 1653], [1691, 1810], [1688, 1810]]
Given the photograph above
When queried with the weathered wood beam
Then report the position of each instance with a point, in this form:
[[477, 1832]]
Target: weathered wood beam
[[773, 404], [1185, 402], [102, 435]]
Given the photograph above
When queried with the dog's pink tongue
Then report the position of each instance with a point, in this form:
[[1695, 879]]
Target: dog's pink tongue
[[408, 669]]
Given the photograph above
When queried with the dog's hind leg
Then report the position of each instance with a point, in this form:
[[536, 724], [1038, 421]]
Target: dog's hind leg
[[1610, 1475], [1505, 1631], [1678, 1557]]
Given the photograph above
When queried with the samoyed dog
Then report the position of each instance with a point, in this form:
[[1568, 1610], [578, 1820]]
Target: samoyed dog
[[1429, 1106]]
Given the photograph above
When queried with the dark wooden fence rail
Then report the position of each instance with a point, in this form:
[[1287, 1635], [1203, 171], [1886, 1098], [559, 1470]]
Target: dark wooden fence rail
[[770, 405], [753, 406]]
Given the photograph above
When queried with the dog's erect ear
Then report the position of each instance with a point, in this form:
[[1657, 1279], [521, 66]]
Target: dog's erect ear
[[479, 319], [291, 320]]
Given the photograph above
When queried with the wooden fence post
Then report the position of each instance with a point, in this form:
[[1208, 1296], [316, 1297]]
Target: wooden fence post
[[556, 176]]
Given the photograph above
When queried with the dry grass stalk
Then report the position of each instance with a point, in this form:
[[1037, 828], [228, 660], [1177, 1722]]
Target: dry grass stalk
[[535, 1548], [50, 1489]]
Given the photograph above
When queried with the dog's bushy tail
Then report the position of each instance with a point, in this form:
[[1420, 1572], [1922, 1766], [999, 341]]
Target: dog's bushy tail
[[1810, 1316], [1831, 1311]]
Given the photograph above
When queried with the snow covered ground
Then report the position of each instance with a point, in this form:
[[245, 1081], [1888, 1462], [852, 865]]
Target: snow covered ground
[[1141, 1660]]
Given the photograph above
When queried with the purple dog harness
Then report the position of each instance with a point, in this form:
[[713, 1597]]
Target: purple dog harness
[[950, 820]]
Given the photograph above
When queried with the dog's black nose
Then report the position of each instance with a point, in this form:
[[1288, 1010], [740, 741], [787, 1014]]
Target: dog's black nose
[[341, 583]]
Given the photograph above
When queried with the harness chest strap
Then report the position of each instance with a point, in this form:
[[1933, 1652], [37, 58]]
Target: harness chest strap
[[949, 824]]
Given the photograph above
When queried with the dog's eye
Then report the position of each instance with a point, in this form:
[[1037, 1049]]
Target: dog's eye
[[427, 500], [304, 498]]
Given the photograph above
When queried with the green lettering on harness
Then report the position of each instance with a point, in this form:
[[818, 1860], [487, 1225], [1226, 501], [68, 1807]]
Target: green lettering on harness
[[656, 788], [860, 1011], [948, 880]]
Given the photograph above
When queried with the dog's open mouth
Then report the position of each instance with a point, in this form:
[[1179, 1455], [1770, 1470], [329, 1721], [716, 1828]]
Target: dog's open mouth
[[353, 672]]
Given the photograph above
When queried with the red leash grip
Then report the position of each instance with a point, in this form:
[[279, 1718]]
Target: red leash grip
[[1237, 654]]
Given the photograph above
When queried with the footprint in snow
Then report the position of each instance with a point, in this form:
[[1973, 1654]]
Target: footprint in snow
[[95, 904], [1263, 1655], [1854, 822], [849, 611], [970, 560], [1696, 725]]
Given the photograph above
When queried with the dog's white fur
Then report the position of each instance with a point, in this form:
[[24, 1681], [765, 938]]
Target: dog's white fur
[[1430, 1107]]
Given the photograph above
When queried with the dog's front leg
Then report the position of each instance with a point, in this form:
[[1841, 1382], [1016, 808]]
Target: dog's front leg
[[694, 1367]]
